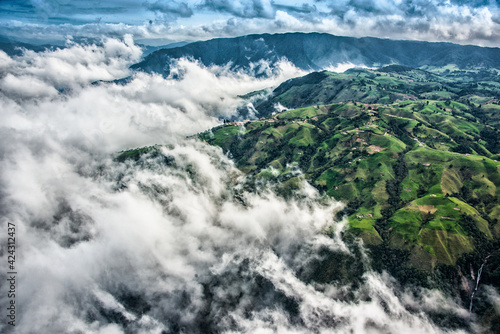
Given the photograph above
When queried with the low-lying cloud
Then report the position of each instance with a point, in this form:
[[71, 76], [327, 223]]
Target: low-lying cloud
[[175, 241]]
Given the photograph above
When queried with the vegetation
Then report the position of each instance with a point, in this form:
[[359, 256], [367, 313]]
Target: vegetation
[[415, 156], [468, 94], [416, 160]]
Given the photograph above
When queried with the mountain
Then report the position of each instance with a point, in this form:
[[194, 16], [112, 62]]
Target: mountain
[[420, 176], [316, 51], [414, 155], [418, 168], [148, 49], [15, 48]]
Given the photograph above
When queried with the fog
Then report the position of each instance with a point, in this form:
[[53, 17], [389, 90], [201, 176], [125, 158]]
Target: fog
[[176, 241]]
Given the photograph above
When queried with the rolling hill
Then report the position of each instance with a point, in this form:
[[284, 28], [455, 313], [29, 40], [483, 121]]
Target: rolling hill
[[389, 84], [419, 175]]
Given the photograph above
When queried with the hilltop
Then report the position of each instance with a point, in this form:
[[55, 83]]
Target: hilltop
[[388, 85]]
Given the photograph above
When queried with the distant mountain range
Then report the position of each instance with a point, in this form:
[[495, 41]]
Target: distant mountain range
[[15, 48], [148, 49], [316, 51]]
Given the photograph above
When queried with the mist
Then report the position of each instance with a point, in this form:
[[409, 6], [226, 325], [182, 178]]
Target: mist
[[177, 241]]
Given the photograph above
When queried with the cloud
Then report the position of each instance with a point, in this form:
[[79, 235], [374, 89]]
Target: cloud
[[424, 20], [171, 9], [494, 297], [73, 12], [178, 238], [342, 67], [71, 67], [25, 87], [450, 21], [61, 129], [415, 20], [245, 9]]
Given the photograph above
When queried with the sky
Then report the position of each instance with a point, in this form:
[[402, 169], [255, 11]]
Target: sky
[[157, 22]]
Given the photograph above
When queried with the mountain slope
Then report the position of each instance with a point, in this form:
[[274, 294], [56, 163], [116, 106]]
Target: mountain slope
[[15, 48], [418, 175], [315, 51], [401, 171]]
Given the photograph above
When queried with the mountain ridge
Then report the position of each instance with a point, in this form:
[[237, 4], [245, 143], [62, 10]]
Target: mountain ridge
[[316, 51], [386, 85], [418, 174]]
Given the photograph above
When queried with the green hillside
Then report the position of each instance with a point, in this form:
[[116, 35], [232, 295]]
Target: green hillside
[[394, 84], [418, 175]]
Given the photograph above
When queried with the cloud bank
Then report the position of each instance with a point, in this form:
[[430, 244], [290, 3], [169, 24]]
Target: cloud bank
[[456, 21], [175, 241]]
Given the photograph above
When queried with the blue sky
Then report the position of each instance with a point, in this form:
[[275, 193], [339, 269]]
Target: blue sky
[[157, 21]]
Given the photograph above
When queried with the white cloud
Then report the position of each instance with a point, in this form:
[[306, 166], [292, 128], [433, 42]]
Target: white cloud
[[464, 23], [26, 87], [342, 67]]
